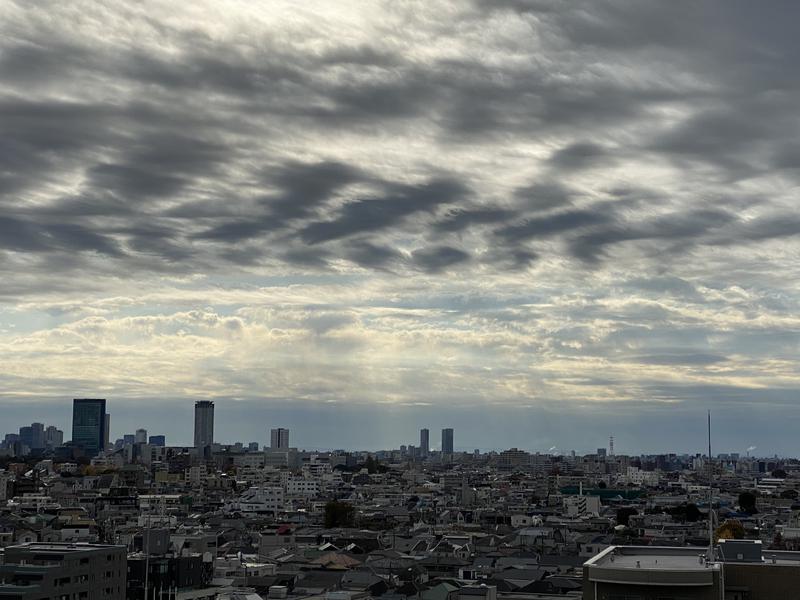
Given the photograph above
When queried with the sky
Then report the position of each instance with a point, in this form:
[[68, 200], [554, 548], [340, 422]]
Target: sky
[[539, 222]]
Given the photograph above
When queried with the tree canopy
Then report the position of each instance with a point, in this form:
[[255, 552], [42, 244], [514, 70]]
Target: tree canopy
[[730, 530], [339, 514], [747, 502]]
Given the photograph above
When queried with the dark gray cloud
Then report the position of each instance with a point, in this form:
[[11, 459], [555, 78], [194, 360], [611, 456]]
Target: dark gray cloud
[[374, 214], [544, 196], [372, 256], [680, 358], [300, 189], [183, 137], [438, 258], [458, 219], [543, 227], [682, 228], [580, 155]]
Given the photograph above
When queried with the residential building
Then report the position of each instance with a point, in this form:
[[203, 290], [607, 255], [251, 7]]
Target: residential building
[[37, 436], [738, 570], [53, 437], [203, 423], [279, 439], [55, 571], [447, 441]]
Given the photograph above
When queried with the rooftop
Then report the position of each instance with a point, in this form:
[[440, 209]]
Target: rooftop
[[62, 547], [651, 557]]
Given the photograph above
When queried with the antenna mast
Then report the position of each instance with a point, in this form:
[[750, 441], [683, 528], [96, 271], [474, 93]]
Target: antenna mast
[[710, 496]]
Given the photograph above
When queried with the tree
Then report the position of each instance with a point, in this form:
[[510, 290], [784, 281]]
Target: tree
[[693, 513], [730, 530], [339, 514], [601, 485], [371, 465], [747, 502], [624, 515], [779, 474]]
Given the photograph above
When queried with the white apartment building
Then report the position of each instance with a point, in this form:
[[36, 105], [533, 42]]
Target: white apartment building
[[302, 487], [258, 500], [638, 477], [581, 505], [253, 460]]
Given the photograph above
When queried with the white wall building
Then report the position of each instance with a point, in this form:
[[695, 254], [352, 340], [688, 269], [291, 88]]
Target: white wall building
[[258, 500]]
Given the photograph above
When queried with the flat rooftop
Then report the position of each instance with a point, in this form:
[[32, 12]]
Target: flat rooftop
[[61, 547], [652, 565], [651, 557]]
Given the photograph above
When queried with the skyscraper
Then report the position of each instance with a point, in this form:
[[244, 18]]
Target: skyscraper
[[203, 423], [279, 439], [89, 424], [424, 442], [37, 436], [53, 437], [26, 436], [447, 441], [140, 436], [108, 430], [157, 440]]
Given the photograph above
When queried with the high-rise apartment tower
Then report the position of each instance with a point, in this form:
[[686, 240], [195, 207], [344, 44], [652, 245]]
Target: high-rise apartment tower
[[424, 442], [279, 439], [203, 423], [447, 441]]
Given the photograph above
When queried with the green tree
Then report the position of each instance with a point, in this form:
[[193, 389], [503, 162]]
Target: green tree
[[692, 514], [624, 515], [371, 465], [789, 494], [747, 502], [339, 514]]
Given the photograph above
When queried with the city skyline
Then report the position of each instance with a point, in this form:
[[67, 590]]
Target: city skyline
[[531, 221], [486, 434]]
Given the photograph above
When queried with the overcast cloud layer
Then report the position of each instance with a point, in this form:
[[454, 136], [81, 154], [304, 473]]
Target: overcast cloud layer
[[573, 219]]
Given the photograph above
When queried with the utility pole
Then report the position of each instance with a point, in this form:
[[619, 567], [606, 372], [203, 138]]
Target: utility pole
[[147, 555]]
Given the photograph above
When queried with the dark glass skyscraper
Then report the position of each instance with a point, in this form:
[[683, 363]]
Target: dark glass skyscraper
[[89, 424], [447, 441], [424, 442], [203, 423]]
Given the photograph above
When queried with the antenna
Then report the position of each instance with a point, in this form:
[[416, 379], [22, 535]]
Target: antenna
[[710, 496]]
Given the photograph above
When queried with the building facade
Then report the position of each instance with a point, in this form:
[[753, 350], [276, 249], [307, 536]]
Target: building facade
[[279, 439], [447, 441], [52, 571], [89, 424], [203, 423]]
